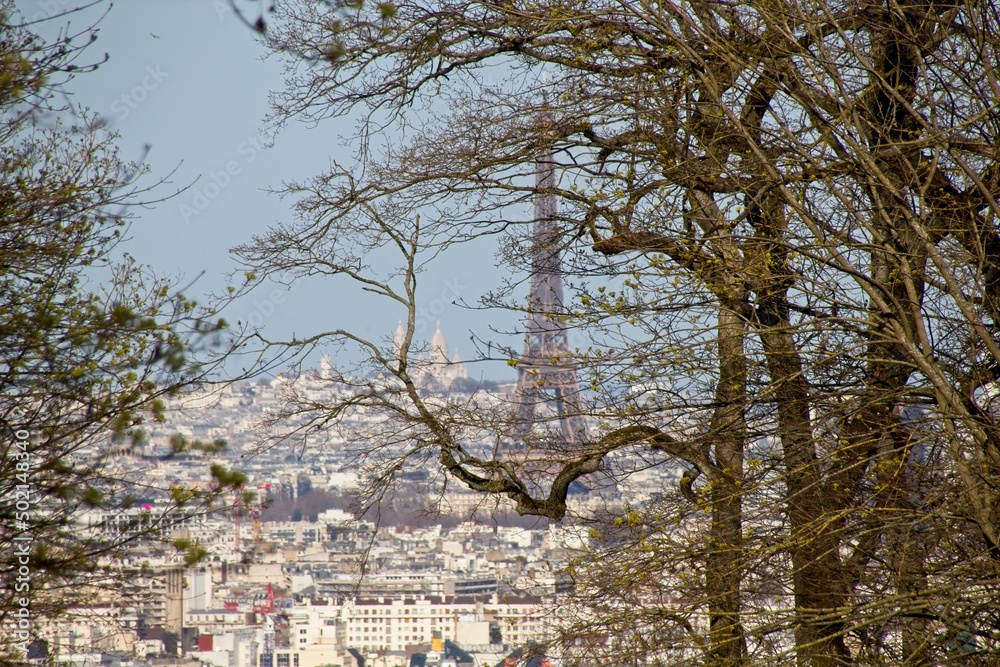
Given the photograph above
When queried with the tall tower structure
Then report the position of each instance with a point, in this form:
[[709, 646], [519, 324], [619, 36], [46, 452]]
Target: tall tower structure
[[546, 375]]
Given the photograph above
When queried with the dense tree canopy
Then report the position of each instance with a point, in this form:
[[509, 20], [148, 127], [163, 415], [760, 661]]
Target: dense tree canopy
[[780, 225]]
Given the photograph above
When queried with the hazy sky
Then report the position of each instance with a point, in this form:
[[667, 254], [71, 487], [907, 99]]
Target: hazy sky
[[188, 78]]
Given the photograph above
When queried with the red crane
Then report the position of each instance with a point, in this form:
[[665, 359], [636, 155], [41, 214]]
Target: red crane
[[267, 607]]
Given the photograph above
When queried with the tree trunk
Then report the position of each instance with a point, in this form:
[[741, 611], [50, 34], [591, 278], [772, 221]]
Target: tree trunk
[[724, 570]]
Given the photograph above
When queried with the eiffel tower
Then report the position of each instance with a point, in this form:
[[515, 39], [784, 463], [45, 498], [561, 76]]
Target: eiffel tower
[[546, 376]]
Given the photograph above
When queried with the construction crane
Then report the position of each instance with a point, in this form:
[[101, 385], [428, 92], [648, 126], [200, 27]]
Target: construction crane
[[250, 503]]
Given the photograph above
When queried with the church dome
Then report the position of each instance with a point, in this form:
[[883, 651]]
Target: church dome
[[439, 346], [400, 336]]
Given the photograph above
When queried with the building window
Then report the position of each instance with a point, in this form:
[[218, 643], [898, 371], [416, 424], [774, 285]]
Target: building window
[[283, 660], [296, 660]]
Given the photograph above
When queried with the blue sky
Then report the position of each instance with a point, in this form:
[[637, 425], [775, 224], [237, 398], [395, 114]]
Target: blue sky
[[189, 79]]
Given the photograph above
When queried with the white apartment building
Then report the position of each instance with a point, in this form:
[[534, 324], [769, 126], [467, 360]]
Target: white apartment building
[[214, 621], [393, 625]]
